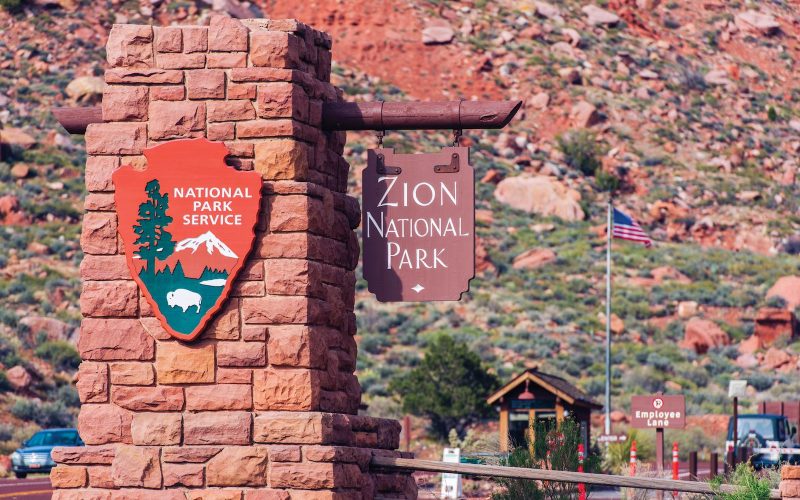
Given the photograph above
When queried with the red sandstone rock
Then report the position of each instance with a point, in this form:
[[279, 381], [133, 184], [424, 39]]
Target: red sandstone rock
[[115, 138], [99, 233], [773, 323], [169, 120], [104, 267], [132, 374], [100, 477], [284, 453], [205, 84], [286, 309], [130, 46], [220, 131], [226, 324], [151, 76], [136, 466], [534, 258], [19, 378], [189, 475], [185, 363], [219, 427], [774, 359], [750, 346], [275, 49], [109, 298], [181, 61], [195, 38], [128, 103], [286, 389], [98, 172], [156, 429], [114, 339], [234, 376], [294, 277], [219, 397], [95, 455], [702, 335], [167, 93], [297, 346], [157, 398], [92, 382], [251, 333], [241, 91], [231, 110], [226, 60], [238, 466], [293, 428], [282, 100], [104, 423], [788, 288], [226, 34], [68, 476], [189, 454], [241, 354], [168, 39]]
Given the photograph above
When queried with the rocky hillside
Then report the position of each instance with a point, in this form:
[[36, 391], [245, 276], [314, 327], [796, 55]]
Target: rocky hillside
[[689, 108]]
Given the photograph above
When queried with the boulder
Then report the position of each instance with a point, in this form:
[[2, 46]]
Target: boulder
[[583, 114], [774, 359], [750, 346], [438, 32], [19, 378], [540, 194], [773, 323], [11, 212], [664, 273], [546, 10], [617, 325], [717, 77], [534, 258], [687, 309], [700, 335], [757, 22], [596, 16], [86, 89], [16, 137], [540, 100], [20, 171], [51, 328], [788, 288], [746, 361]]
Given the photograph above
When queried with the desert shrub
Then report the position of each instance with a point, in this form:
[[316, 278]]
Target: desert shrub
[[553, 447], [67, 394], [776, 301], [752, 487], [44, 414], [11, 5], [61, 354], [619, 454], [581, 151]]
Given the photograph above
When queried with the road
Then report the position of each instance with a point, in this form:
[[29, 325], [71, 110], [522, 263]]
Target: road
[[32, 488]]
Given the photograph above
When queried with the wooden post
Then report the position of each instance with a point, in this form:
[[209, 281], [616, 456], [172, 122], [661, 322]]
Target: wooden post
[[714, 465], [504, 427], [660, 458], [729, 462], [693, 466], [559, 411]]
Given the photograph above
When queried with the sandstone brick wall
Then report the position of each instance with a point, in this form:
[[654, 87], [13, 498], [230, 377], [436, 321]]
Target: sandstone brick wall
[[790, 482], [263, 405]]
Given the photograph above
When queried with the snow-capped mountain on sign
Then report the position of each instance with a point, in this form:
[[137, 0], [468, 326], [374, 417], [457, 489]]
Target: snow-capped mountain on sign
[[211, 242]]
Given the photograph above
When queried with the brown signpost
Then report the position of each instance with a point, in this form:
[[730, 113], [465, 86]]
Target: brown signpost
[[658, 412], [418, 224]]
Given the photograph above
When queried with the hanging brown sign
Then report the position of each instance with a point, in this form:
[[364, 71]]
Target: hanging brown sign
[[418, 224]]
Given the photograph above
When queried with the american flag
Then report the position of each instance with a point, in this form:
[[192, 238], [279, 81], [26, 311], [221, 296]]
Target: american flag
[[627, 229]]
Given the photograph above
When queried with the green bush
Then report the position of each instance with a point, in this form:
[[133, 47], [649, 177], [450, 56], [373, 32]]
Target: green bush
[[751, 486], [11, 5], [449, 386], [581, 151], [44, 414], [60, 354]]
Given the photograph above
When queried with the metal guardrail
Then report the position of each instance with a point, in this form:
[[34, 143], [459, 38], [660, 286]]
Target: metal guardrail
[[644, 483]]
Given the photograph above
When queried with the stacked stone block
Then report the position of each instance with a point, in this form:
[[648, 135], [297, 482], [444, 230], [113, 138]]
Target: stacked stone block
[[264, 404], [790, 482]]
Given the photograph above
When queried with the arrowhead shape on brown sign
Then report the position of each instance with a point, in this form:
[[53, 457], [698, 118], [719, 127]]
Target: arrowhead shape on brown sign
[[418, 225], [187, 222]]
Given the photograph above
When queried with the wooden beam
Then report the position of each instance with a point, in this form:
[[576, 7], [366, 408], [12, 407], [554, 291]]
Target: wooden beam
[[644, 483], [453, 115]]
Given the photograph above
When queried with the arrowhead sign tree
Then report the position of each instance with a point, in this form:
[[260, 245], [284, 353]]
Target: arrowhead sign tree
[[154, 241]]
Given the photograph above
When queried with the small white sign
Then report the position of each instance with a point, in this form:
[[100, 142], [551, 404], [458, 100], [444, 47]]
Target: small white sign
[[451, 483], [737, 388]]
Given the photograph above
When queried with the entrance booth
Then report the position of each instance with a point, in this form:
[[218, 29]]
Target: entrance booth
[[536, 396]]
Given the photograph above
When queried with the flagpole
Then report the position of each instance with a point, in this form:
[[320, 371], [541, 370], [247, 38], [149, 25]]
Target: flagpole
[[608, 317]]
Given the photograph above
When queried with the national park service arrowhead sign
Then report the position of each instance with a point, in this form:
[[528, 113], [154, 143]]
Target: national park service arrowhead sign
[[187, 222], [418, 224]]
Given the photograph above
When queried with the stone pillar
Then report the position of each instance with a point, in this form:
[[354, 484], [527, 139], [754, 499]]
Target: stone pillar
[[264, 404]]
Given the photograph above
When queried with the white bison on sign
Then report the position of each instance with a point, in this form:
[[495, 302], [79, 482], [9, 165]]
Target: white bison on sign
[[184, 299]]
